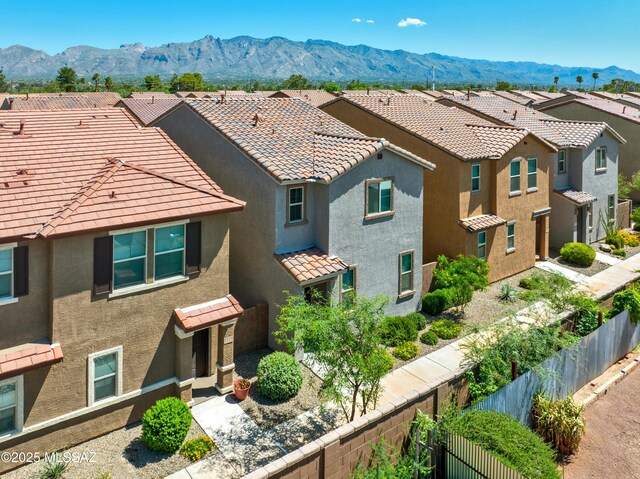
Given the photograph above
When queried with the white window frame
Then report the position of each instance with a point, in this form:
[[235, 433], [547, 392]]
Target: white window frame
[[378, 213], [183, 249], [301, 203], [564, 162], [519, 176], [590, 216], [476, 177], [482, 244], [598, 153], [611, 207], [513, 248], [18, 406], [11, 298], [531, 189], [114, 261], [406, 292], [91, 375]]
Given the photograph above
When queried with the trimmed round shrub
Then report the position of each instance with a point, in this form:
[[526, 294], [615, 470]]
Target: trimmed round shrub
[[579, 254], [279, 376], [420, 320], [397, 329], [405, 351], [436, 302], [165, 425], [446, 329], [429, 338]]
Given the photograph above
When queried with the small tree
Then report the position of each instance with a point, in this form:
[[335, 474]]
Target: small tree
[[153, 82], [96, 80], [503, 86], [4, 85], [108, 84], [556, 79], [296, 82], [595, 76], [344, 341], [67, 79], [579, 79]]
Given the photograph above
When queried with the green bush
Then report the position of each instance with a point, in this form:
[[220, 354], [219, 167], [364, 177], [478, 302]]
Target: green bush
[[461, 294], [405, 351], [619, 252], [279, 376], [429, 338], [627, 299], [509, 441], [419, 319], [446, 329], [526, 283], [635, 216], [53, 470], [586, 313], [436, 302], [398, 329], [471, 270], [579, 254], [615, 239], [165, 425], [195, 449]]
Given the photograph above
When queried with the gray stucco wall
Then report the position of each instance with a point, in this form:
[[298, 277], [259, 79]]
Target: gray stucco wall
[[374, 245]]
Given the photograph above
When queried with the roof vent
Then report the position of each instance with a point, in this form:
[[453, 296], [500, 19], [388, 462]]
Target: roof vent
[[624, 109], [21, 130], [515, 114], [256, 120], [10, 102], [112, 195]]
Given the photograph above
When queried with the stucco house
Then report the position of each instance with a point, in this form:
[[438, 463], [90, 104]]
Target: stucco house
[[584, 179], [489, 193], [328, 209], [114, 286]]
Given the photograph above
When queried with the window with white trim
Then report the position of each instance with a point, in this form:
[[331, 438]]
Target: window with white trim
[[590, 215], [511, 237], [475, 177], [406, 272], [482, 244], [6, 273], [562, 161], [532, 174], [169, 251], [129, 259], [601, 159], [295, 202], [11, 401], [105, 375], [514, 176], [611, 207], [348, 285], [379, 196]]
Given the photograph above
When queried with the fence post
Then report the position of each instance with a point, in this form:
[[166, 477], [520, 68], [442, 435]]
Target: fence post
[[514, 369], [599, 318], [416, 466]]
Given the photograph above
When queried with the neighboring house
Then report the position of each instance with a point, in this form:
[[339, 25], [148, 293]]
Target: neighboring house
[[623, 118], [489, 193], [314, 97], [584, 180], [113, 276], [148, 110], [60, 101], [328, 209], [137, 95]]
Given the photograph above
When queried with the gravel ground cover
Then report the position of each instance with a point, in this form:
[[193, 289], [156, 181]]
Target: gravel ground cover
[[123, 455], [630, 251], [596, 266]]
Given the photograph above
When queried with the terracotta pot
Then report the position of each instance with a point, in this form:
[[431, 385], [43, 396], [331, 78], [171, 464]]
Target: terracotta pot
[[241, 394]]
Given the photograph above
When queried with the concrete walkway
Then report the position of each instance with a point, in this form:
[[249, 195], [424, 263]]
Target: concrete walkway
[[607, 259]]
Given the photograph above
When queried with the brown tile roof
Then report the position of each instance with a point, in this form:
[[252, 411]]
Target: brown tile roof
[[291, 139], [531, 95], [204, 315], [561, 133], [81, 170], [370, 92], [513, 97], [148, 94], [629, 100], [455, 93], [481, 223], [309, 265], [451, 129], [26, 357], [314, 97], [148, 110], [634, 93], [613, 107], [424, 93], [61, 101], [579, 198]]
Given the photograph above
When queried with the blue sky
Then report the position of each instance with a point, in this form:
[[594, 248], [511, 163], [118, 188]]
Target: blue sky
[[567, 32]]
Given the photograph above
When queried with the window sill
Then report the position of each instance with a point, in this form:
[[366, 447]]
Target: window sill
[[8, 434], [296, 223], [147, 286], [601, 170], [406, 294], [511, 250], [514, 193], [532, 190], [9, 300], [375, 216], [105, 401], [475, 192]]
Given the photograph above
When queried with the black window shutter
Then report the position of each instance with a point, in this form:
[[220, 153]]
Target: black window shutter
[[20, 271], [194, 247], [102, 265]]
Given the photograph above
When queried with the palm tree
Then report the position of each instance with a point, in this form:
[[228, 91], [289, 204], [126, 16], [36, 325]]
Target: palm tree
[[95, 78], [556, 79], [108, 83], [595, 76], [579, 79]]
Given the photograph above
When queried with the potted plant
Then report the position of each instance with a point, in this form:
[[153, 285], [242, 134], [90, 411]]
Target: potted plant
[[241, 388]]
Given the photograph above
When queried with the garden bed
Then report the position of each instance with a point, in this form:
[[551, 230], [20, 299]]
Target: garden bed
[[596, 266]]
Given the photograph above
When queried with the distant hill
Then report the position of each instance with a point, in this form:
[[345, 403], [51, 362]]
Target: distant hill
[[276, 57]]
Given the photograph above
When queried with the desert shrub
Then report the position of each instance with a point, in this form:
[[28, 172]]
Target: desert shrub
[[165, 425], [586, 314], [53, 470], [578, 253], [560, 422], [436, 302], [509, 441], [420, 320], [471, 270], [615, 239], [429, 338], [104, 475], [630, 239], [279, 376], [635, 215], [195, 449], [446, 329], [508, 293], [619, 252], [405, 351], [627, 299], [398, 329], [461, 295]]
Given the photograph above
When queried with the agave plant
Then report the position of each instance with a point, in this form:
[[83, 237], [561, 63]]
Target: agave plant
[[508, 293], [560, 422]]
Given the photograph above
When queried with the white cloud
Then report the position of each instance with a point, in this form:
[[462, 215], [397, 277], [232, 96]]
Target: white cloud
[[357, 20], [371, 21], [411, 22]]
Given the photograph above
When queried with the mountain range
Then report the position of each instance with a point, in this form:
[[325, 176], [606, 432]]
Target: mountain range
[[246, 57]]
